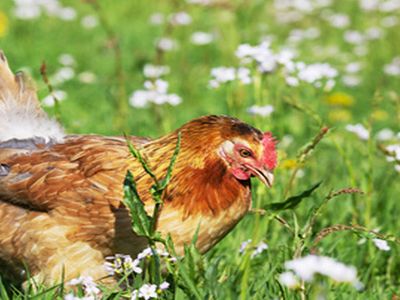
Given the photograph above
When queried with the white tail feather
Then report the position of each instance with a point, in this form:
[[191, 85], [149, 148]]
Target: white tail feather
[[21, 116]]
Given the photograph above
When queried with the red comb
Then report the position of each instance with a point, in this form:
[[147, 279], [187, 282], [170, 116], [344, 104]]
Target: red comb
[[270, 155]]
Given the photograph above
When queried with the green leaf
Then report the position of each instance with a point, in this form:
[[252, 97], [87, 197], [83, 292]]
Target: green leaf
[[293, 201], [140, 220], [3, 292], [167, 178]]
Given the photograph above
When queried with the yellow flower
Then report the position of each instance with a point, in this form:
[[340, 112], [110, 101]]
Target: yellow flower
[[340, 99], [289, 164], [3, 24], [341, 115], [379, 115]]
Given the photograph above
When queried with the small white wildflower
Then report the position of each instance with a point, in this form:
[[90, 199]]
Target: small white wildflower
[[180, 19], [135, 295], [122, 265], [389, 21], [381, 244], [147, 252], [374, 33], [306, 267], [49, 100], [393, 68], [385, 134], [395, 149], [353, 67], [63, 74], [292, 81], [259, 249], [222, 75], [351, 80], [263, 111], [157, 18], [154, 71], [89, 21], [369, 5], [339, 20], [359, 130], [67, 13], [201, 38], [166, 44], [164, 285], [27, 12], [243, 75], [66, 59], [148, 291], [243, 246], [89, 286], [289, 279], [87, 77], [353, 37]]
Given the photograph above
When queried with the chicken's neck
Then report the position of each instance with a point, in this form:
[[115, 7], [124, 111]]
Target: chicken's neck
[[202, 190]]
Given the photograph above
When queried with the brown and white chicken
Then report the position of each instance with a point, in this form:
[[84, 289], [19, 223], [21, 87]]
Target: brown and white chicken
[[61, 206]]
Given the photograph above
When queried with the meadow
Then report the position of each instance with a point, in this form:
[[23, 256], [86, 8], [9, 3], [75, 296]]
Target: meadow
[[322, 75]]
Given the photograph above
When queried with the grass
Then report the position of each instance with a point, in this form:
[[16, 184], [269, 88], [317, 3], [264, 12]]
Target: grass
[[116, 51]]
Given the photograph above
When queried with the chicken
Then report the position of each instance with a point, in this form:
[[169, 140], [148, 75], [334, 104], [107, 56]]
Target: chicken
[[61, 206]]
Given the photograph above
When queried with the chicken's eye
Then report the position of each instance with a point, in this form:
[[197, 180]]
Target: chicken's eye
[[244, 153]]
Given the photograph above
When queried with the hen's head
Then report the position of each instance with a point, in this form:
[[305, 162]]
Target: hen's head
[[243, 149]]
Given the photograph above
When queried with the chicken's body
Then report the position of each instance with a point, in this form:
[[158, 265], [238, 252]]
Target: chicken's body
[[61, 204]]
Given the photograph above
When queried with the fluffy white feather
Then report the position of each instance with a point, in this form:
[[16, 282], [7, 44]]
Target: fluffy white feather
[[26, 121]]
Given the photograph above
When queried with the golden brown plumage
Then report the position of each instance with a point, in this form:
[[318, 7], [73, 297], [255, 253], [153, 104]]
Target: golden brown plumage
[[60, 199]]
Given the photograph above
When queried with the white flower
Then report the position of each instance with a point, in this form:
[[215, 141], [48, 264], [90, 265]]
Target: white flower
[[157, 18], [89, 286], [89, 21], [243, 75], [369, 4], [27, 12], [339, 20], [351, 80], [395, 149], [359, 130], [122, 265], [147, 252], [389, 21], [201, 38], [222, 75], [381, 244], [166, 44], [181, 18], [292, 81], [289, 279], [67, 13], [49, 100], [315, 72], [87, 77], [154, 71], [263, 111], [385, 134], [163, 286], [393, 68], [353, 67], [63, 74], [259, 249], [353, 37], [306, 267], [66, 59], [148, 291], [374, 33], [244, 245]]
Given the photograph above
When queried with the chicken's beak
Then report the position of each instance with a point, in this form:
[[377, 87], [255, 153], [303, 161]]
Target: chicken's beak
[[263, 174]]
